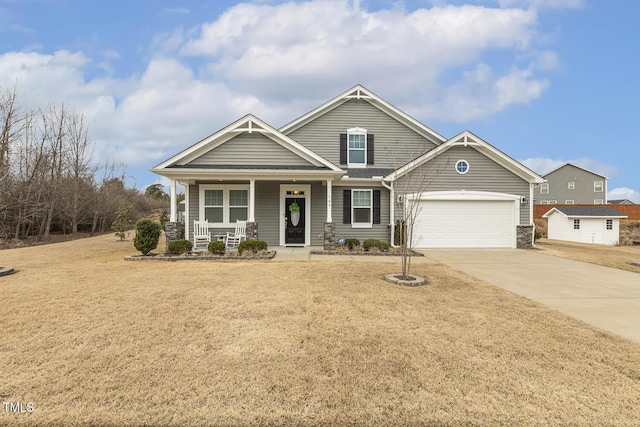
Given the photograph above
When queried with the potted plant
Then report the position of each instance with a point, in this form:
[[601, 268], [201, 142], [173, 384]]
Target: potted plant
[[294, 208]]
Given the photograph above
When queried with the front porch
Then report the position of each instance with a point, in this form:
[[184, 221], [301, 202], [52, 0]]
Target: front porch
[[280, 212]]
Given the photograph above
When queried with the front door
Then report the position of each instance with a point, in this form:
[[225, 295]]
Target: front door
[[294, 220]]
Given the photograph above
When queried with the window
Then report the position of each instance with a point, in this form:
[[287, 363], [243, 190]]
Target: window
[[238, 205], [213, 205], [462, 167], [598, 187], [569, 202], [222, 205], [544, 188], [357, 147], [572, 185], [553, 202], [598, 202], [576, 224], [609, 224], [362, 208]]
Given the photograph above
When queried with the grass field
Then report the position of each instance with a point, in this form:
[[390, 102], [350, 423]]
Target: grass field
[[90, 339]]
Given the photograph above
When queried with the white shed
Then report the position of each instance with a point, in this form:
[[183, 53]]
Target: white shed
[[584, 224]]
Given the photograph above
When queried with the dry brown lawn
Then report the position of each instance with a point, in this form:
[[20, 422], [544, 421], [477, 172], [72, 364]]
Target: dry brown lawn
[[621, 257], [93, 340]]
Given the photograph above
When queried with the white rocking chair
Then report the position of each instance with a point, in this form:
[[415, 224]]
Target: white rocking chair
[[201, 236], [232, 240]]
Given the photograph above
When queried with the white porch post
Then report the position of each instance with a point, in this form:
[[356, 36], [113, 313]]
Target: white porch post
[[174, 205], [252, 200], [329, 191]]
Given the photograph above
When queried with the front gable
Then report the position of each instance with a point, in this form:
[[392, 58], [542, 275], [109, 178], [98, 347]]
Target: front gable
[[397, 137], [488, 162], [249, 144]]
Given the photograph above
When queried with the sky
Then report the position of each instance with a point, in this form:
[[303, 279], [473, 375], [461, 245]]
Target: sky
[[545, 81]]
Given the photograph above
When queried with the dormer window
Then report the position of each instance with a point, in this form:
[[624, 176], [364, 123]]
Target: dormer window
[[356, 148]]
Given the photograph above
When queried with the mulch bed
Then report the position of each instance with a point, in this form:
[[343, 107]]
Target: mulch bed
[[364, 253], [198, 257]]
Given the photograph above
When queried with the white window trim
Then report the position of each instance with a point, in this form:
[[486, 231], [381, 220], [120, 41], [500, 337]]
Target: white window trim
[[569, 202], [595, 187], [460, 161], [353, 216], [598, 202], [357, 131], [544, 188], [225, 202], [571, 185]]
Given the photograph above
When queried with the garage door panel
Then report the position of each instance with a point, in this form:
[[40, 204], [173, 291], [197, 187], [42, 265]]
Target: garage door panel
[[465, 224]]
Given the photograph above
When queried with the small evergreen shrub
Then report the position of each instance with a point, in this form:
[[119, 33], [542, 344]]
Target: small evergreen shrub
[[216, 247], [180, 247], [147, 236], [252, 246], [537, 235], [375, 244], [351, 243]]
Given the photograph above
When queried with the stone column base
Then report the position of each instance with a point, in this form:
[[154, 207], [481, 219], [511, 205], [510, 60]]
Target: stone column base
[[252, 231], [524, 239], [173, 232], [329, 236]]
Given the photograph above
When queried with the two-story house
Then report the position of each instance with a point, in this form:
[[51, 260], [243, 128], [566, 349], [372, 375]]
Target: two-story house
[[348, 168], [572, 185]]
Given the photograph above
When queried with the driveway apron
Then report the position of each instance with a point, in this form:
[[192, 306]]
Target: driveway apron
[[601, 296]]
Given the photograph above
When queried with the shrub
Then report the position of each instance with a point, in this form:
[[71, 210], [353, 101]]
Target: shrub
[[351, 243], [216, 247], [537, 235], [375, 244], [147, 236], [180, 247], [252, 246]]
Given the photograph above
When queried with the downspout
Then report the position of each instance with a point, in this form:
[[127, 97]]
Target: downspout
[[392, 204]]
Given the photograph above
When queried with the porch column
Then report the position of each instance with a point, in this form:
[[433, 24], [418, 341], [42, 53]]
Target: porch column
[[329, 191], [174, 205], [252, 200]]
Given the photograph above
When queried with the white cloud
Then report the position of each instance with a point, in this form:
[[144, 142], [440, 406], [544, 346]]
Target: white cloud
[[624, 193], [278, 61], [543, 165], [279, 52], [549, 4]]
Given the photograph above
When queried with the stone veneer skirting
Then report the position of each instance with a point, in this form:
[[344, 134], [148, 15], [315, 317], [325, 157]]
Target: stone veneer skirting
[[173, 232], [252, 231], [524, 239], [329, 236]]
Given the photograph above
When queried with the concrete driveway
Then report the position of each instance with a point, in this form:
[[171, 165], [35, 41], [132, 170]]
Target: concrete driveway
[[603, 297]]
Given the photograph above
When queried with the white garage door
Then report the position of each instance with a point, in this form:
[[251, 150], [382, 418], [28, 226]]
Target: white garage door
[[465, 224]]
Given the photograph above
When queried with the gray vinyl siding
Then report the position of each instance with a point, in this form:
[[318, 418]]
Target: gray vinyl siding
[[268, 211], [318, 213], [252, 149], [378, 231], [395, 144], [484, 175], [194, 209], [582, 193]]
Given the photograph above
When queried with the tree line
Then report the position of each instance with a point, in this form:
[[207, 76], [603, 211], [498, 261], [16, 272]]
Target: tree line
[[49, 181]]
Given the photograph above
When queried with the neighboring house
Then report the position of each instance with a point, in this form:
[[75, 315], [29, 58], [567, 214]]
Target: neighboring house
[[181, 211], [348, 166], [572, 185], [584, 224], [621, 202]]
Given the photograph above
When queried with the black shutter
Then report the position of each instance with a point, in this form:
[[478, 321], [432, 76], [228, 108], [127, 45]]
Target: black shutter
[[343, 148], [376, 206], [369, 148], [346, 207]]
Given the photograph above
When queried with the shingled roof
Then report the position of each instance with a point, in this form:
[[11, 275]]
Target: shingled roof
[[587, 211]]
